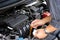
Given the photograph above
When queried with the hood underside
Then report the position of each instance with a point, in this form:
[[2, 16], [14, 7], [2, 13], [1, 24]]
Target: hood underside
[[8, 3]]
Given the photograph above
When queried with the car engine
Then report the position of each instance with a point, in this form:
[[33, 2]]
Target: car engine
[[16, 17]]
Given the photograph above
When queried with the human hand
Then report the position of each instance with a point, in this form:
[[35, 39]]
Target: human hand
[[40, 33], [37, 23]]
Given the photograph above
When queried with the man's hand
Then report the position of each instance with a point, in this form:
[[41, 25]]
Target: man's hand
[[37, 23], [41, 22], [40, 33]]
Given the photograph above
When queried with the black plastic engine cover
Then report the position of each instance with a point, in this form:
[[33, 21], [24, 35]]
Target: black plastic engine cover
[[16, 22]]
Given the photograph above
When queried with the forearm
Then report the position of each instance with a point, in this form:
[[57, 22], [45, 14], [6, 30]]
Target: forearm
[[47, 19], [50, 28]]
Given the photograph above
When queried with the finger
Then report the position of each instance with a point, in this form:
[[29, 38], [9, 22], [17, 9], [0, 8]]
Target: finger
[[33, 26], [35, 21], [37, 24]]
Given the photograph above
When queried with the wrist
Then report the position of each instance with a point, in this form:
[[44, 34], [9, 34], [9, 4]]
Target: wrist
[[46, 31], [50, 29], [47, 19]]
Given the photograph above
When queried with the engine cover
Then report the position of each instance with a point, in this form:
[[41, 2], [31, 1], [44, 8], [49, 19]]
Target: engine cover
[[16, 22]]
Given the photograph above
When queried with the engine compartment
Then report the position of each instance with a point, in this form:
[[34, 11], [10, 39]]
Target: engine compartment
[[15, 21]]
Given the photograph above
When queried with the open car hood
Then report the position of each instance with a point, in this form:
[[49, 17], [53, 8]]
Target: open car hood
[[9, 3]]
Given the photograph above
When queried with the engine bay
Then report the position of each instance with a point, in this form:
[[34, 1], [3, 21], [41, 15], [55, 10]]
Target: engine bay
[[15, 21]]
